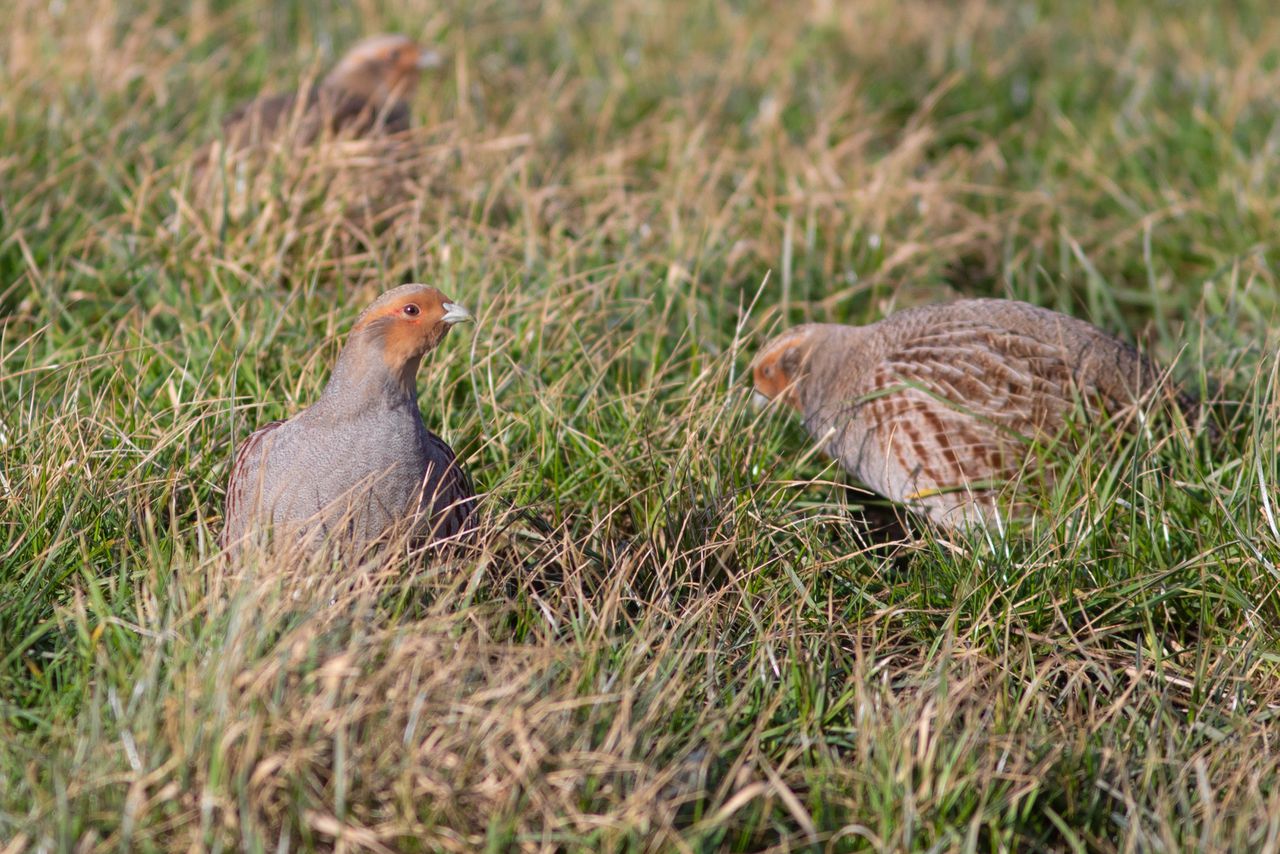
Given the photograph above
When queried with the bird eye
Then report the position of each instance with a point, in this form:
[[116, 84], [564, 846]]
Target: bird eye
[[411, 310]]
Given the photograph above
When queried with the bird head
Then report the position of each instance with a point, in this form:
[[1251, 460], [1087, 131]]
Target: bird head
[[382, 68], [780, 367], [405, 323]]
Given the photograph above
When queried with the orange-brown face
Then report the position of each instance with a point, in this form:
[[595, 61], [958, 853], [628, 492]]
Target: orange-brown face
[[401, 66], [383, 67], [779, 368], [409, 321]]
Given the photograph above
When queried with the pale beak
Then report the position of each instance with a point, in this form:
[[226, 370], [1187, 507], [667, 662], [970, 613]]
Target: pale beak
[[758, 400], [429, 59], [454, 313]]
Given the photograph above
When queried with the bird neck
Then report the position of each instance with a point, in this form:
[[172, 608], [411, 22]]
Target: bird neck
[[363, 381], [344, 85], [841, 355]]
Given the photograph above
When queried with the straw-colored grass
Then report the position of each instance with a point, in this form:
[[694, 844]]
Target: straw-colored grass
[[682, 630]]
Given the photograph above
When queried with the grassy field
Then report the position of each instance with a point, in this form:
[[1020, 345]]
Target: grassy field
[[683, 632]]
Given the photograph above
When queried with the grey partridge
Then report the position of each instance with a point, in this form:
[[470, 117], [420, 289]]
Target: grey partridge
[[358, 465], [368, 90], [940, 407]]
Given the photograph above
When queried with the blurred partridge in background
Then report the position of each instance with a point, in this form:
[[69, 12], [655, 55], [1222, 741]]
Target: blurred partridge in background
[[369, 90], [358, 465], [940, 407], [341, 145]]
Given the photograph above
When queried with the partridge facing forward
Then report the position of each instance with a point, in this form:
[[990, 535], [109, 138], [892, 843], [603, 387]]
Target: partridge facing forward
[[369, 90], [941, 406], [358, 464]]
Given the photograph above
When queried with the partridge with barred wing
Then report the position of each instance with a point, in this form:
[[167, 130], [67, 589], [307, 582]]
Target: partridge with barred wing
[[940, 407], [358, 465]]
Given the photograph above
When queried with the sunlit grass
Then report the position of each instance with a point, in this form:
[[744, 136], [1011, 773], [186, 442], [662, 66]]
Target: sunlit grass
[[682, 631]]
